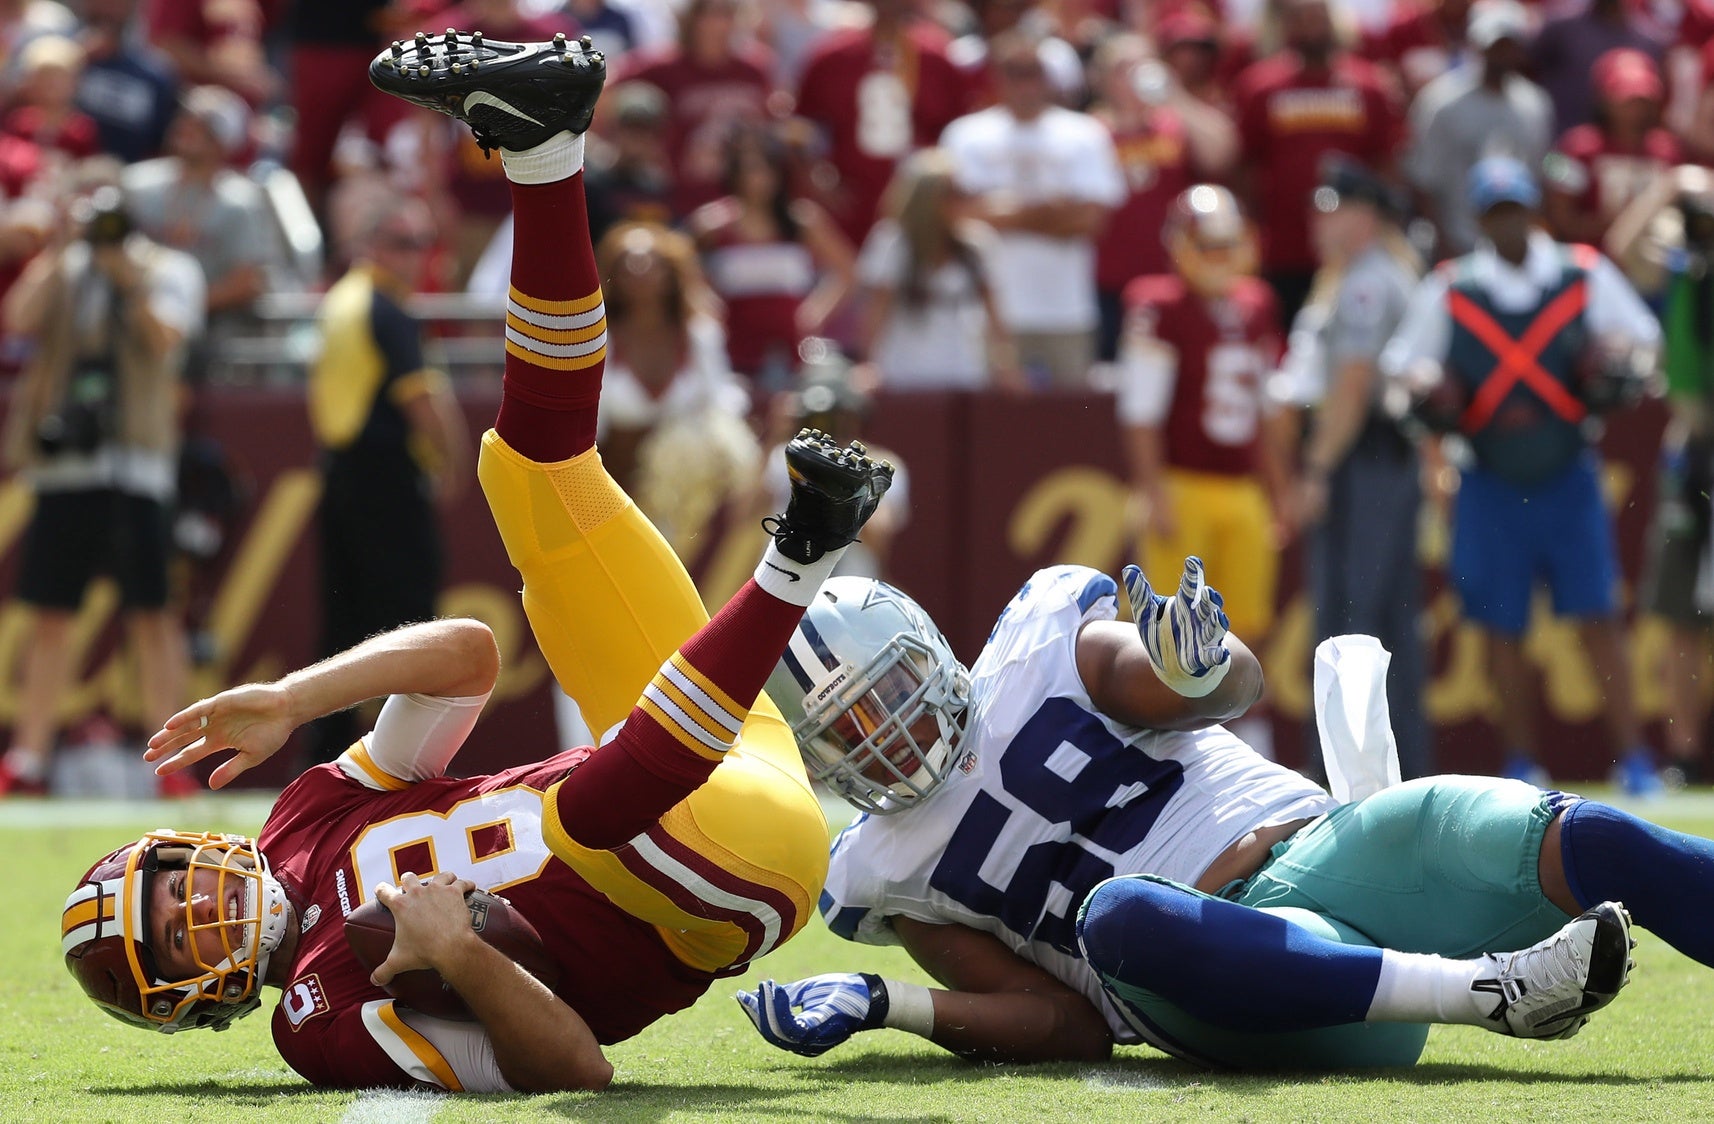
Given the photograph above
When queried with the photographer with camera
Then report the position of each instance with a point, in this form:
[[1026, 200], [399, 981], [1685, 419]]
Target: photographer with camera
[[1664, 241], [94, 426], [1516, 347]]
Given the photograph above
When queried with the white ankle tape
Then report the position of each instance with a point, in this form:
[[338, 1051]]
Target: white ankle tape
[[558, 158], [794, 582], [910, 1007]]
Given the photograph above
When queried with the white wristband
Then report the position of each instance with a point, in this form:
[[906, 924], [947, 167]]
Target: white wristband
[[909, 1007]]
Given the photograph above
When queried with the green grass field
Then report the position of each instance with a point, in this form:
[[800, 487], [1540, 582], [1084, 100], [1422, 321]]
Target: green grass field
[[1645, 1058]]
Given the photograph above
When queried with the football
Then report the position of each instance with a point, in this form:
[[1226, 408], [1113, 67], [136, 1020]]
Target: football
[[369, 932]]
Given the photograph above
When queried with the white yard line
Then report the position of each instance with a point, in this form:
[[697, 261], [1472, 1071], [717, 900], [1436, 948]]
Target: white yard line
[[391, 1106]]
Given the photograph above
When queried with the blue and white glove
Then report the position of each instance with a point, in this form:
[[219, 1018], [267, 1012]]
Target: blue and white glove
[[1185, 635], [828, 1010]]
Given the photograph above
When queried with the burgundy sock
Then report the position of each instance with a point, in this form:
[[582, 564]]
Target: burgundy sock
[[556, 331]]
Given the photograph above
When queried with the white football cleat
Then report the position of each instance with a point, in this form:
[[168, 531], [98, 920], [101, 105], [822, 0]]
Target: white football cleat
[[1550, 989]]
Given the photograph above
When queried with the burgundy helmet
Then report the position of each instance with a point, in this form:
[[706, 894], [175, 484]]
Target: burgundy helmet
[[105, 927]]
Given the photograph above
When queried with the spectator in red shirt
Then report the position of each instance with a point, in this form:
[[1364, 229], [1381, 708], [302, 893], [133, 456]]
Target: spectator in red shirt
[[1190, 45], [216, 43], [1293, 108], [47, 112], [1597, 169], [878, 93], [777, 260], [1421, 42], [1565, 50], [1166, 140], [712, 85]]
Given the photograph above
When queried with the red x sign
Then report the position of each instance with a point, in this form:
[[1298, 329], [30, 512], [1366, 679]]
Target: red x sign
[[1519, 360]]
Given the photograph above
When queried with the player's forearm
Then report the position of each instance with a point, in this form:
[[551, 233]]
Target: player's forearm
[[540, 1044], [1143, 449], [1019, 1026], [1062, 218], [449, 658]]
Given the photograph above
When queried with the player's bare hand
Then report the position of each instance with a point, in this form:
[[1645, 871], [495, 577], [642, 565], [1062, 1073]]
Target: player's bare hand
[[253, 720], [1309, 500], [1153, 512], [431, 922]]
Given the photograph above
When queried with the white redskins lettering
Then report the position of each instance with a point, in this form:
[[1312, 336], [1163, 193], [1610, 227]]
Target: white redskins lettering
[[339, 888], [1305, 111], [303, 1001]]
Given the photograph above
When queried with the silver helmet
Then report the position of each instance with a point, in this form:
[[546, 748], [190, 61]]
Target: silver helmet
[[874, 695]]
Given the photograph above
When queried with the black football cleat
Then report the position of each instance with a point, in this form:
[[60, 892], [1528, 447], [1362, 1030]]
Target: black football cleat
[[834, 491], [512, 95]]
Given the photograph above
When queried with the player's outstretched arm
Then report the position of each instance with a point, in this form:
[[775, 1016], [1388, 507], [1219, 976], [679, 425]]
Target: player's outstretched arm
[[540, 1044], [1179, 668], [998, 1007], [447, 658]]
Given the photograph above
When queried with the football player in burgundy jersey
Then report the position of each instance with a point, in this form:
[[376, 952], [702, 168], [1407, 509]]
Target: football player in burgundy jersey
[[686, 846], [1198, 344]]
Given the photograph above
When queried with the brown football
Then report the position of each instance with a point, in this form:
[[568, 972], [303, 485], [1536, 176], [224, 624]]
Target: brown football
[[369, 932]]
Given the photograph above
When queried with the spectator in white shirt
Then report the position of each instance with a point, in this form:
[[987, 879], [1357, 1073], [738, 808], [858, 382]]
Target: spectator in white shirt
[[1046, 179], [930, 321]]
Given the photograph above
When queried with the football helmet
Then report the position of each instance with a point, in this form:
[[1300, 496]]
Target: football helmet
[[1210, 242], [874, 695], [105, 931]]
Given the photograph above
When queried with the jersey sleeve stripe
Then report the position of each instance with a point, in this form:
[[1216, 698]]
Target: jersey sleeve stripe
[[1097, 587], [708, 687], [727, 717], [688, 734], [555, 308], [409, 1050], [360, 767]]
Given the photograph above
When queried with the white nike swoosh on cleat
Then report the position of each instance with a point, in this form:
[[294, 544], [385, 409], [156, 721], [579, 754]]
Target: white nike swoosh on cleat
[[480, 97]]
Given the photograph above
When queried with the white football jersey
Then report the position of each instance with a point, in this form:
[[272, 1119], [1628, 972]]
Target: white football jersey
[[1049, 797]]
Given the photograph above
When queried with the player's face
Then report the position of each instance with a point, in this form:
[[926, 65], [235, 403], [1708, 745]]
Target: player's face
[[871, 711], [189, 942], [1218, 266]]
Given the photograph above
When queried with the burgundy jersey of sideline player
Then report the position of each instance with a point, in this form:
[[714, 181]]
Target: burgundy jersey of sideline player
[[343, 827], [1222, 349]]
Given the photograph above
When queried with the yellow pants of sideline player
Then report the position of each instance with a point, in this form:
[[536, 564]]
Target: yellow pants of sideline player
[[1225, 521]]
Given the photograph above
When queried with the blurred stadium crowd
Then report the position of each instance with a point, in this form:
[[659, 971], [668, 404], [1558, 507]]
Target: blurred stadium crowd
[[797, 203]]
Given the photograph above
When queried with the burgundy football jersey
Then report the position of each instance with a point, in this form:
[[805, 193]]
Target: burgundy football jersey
[[876, 105], [330, 840], [1224, 350]]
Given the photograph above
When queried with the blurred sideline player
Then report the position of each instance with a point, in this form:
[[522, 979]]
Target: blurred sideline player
[[1061, 838], [687, 845], [1198, 345]]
